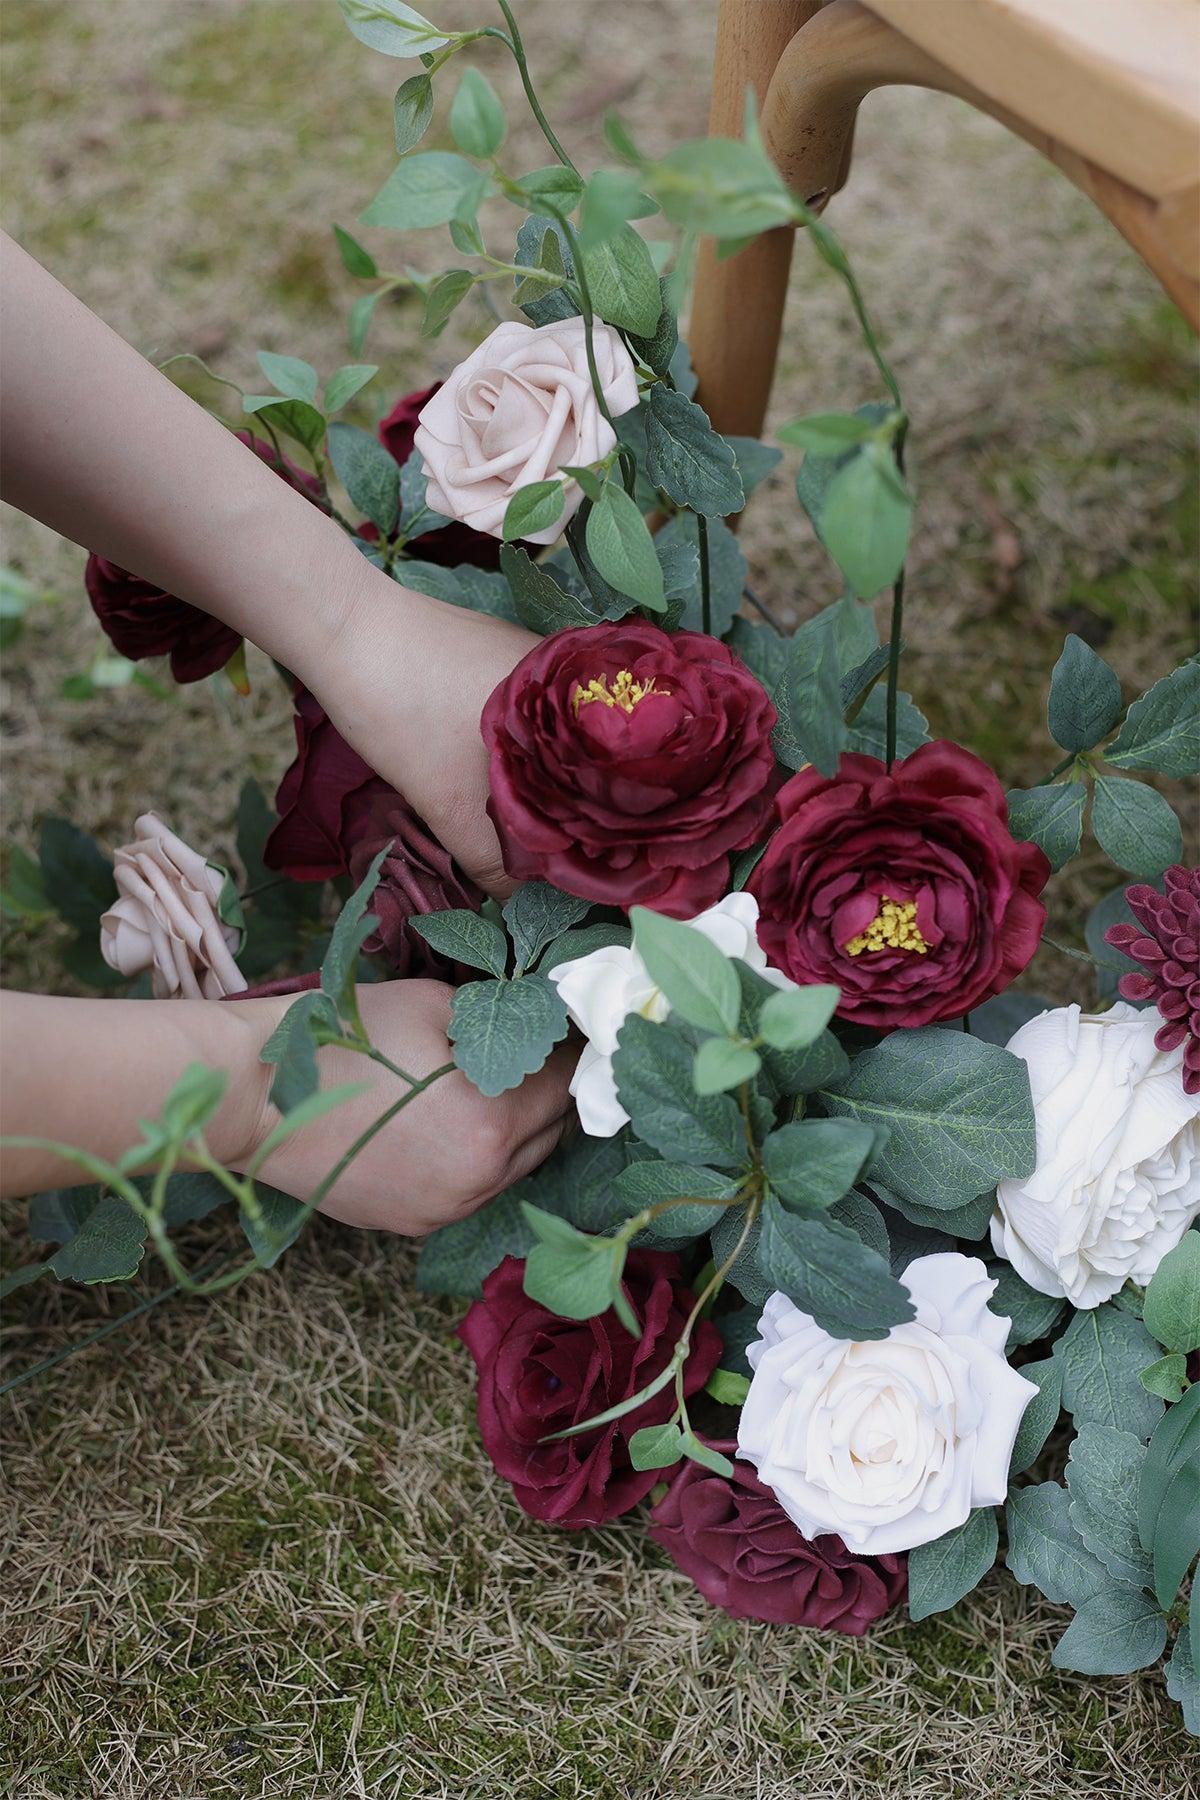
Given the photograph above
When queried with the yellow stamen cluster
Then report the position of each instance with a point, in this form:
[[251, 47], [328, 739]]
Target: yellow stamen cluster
[[625, 692], [894, 927]]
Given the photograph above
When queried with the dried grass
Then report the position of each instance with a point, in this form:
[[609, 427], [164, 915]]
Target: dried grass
[[252, 1547]]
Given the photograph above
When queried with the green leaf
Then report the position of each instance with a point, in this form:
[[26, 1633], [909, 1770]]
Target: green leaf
[[314, 1107], [19, 1278], [813, 1162], [283, 1218], [705, 1455], [687, 458], [831, 1274], [1177, 1531], [76, 875], [722, 1064], [355, 259], [575, 1275], [359, 322], [727, 1387], [1040, 1416], [344, 383], [1162, 729], [292, 1047], [721, 187], [610, 197], [657, 349], [1167, 1377], [476, 116], [423, 190], [1172, 1309], [1115, 1632], [656, 1446], [503, 1031], [959, 1113], [412, 109], [294, 378], [369, 475], [190, 1195], [1183, 1672], [541, 604], [698, 979], [107, 1244], [746, 1273], [559, 303], [1135, 826], [442, 297], [1102, 1353], [25, 896], [291, 418], [573, 945], [865, 520], [1175, 1441], [814, 698], [459, 1257], [340, 963], [726, 569], [1031, 1315], [828, 434], [1046, 1551], [941, 1573], [537, 914], [967, 1221], [392, 27], [793, 1019], [555, 183], [1051, 817], [619, 543], [536, 507], [644, 1184], [754, 461], [1085, 697], [653, 1071], [1103, 1475], [623, 282]]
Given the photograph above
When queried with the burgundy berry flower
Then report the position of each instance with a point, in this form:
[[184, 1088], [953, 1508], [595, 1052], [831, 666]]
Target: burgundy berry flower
[[906, 888], [539, 1374], [627, 764], [1168, 948], [733, 1538]]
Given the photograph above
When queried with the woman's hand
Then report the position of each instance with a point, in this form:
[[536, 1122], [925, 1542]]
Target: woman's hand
[[446, 1153]]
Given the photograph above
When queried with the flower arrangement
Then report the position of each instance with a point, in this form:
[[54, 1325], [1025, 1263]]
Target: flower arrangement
[[858, 1249]]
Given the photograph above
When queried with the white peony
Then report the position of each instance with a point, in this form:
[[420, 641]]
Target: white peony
[[1117, 1181], [603, 989], [516, 411], [889, 1444]]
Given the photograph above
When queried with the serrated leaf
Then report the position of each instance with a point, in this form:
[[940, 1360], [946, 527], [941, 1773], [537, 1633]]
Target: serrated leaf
[[942, 1572], [813, 698], [459, 1257], [1162, 729], [1085, 697], [1116, 1631], [687, 458], [1102, 1352], [1051, 817], [958, 1111], [653, 1071], [368, 474], [107, 1244], [1103, 1477], [503, 1031], [645, 1184], [537, 914], [657, 349], [726, 570], [831, 1275], [1172, 1306], [1046, 1551], [466, 937], [541, 604], [1040, 1416]]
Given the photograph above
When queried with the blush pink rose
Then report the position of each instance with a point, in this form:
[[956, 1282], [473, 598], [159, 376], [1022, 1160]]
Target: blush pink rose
[[165, 918]]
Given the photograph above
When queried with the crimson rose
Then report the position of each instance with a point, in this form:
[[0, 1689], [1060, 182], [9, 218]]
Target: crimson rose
[[733, 1538], [454, 543], [626, 765], [906, 889], [324, 800], [539, 1374], [418, 876], [141, 620]]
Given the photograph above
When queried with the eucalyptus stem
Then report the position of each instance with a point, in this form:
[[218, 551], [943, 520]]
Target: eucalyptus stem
[[517, 47], [705, 576], [897, 625]]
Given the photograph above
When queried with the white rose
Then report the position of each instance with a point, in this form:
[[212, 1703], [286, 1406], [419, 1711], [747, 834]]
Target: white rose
[[1117, 1181], [165, 918], [889, 1444], [515, 412], [603, 989]]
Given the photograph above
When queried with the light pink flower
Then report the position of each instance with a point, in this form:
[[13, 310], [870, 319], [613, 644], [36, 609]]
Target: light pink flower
[[166, 918]]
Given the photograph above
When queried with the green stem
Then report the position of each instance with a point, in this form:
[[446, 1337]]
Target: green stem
[[1059, 769], [517, 47], [897, 627], [705, 576]]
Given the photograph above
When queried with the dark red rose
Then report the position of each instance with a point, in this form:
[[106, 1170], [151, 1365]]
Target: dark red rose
[[418, 876], [454, 543], [280, 985], [324, 800], [733, 1538], [1168, 949], [626, 765], [906, 889], [539, 1374], [141, 620]]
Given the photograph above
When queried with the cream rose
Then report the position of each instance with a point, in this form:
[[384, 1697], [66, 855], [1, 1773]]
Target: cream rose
[[603, 989], [166, 919], [889, 1444], [519, 409], [1117, 1181]]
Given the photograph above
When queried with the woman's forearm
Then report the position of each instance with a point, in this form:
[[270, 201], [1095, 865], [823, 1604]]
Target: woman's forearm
[[85, 1072]]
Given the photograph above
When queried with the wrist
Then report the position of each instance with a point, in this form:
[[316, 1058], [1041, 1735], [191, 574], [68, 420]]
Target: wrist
[[236, 1038]]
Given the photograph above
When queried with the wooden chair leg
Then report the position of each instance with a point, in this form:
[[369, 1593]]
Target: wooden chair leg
[[737, 309]]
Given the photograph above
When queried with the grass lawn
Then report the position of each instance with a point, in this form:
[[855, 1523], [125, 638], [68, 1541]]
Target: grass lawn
[[252, 1545]]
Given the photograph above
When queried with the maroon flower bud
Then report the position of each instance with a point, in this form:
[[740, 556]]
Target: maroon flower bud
[[1168, 949]]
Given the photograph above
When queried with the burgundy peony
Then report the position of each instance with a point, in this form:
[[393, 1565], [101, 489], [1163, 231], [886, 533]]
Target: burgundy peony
[[627, 764], [906, 889], [539, 1374], [325, 799], [1168, 948], [141, 620], [734, 1540], [418, 876], [454, 543]]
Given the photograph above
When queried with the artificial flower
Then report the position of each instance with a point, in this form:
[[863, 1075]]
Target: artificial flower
[[732, 1537], [417, 876], [517, 411], [906, 889], [1168, 949], [539, 1374], [141, 620], [602, 989], [1117, 1180], [628, 763], [450, 544], [324, 801], [889, 1444], [166, 918]]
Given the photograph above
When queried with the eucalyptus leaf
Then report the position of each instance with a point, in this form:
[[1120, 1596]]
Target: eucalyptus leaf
[[503, 1031], [941, 1573]]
